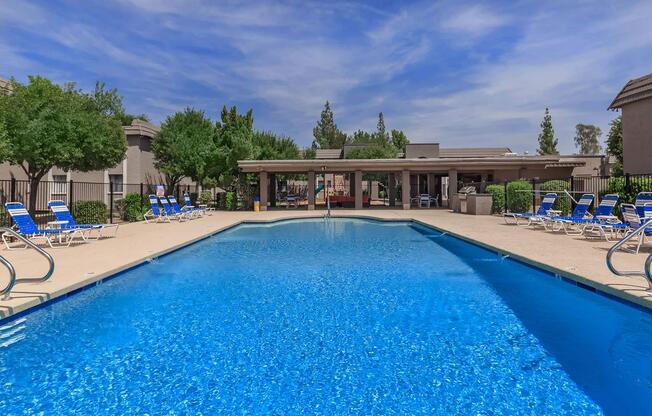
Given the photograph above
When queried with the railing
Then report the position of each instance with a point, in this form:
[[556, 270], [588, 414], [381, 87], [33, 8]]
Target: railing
[[647, 273], [12, 271]]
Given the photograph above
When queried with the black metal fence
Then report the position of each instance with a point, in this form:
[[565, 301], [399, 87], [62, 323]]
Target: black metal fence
[[571, 188], [99, 200]]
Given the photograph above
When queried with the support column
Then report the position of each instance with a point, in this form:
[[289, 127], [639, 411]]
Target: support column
[[352, 184], [358, 189], [262, 178], [391, 191], [311, 191], [405, 187], [272, 189], [452, 183], [431, 184]]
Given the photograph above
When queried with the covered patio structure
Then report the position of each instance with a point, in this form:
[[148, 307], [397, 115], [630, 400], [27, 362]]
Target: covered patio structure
[[439, 178]]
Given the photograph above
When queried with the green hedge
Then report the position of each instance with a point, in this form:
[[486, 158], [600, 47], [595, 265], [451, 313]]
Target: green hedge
[[562, 203], [205, 198], [497, 198], [230, 201], [133, 207], [519, 201], [636, 185], [90, 212]]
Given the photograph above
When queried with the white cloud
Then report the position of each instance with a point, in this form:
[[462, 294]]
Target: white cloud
[[474, 21]]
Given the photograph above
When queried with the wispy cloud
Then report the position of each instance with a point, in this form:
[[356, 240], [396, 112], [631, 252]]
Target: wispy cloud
[[457, 72]]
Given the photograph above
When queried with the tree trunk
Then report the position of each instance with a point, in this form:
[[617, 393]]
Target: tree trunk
[[34, 182]]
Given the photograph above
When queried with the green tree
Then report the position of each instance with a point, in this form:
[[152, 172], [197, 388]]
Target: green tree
[[547, 140], [399, 140], [109, 103], [48, 125], [184, 147], [327, 134], [233, 137], [269, 146], [309, 153], [587, 139], [381, 134], [615, 144]]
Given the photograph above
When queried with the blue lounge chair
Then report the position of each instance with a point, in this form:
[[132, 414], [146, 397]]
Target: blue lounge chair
[[643, 199], [188, 213], [542, 212], [28, 228], [603, 223], [62, 213], [170, 213], [155, 212], [188, 205], [634, 220], [569, 223]]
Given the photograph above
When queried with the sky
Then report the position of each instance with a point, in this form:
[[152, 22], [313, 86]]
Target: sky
[[458, 73]]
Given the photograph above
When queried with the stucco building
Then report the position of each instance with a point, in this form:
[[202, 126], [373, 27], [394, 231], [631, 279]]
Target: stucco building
[[635, 102]]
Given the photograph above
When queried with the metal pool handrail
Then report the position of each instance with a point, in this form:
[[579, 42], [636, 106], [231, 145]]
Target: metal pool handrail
[[12, 271], [647, 273]]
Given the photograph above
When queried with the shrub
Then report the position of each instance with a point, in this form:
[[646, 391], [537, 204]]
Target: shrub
[[562, 203], [90, 212], [497, 198], [133, 207], [517, 199], [230, 201], [205, 197]]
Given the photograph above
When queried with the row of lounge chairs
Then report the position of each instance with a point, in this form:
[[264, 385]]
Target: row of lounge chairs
[[169, 209], [60, 233], [602, 223]]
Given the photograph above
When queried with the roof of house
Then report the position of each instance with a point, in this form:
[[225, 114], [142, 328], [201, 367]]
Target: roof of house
[[635, 90], [142, 128], [5, 86], [328, 153], [473, 152]]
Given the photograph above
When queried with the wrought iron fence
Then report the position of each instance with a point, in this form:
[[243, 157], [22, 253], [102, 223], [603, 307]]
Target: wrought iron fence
[[95, 199]]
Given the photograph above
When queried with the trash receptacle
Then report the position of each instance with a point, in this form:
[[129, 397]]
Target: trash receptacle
[[257, 203]]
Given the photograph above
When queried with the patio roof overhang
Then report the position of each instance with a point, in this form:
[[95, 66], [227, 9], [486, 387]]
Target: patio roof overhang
[[397, 165]]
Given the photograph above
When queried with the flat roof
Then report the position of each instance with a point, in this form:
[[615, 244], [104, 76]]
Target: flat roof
[[443, 164]]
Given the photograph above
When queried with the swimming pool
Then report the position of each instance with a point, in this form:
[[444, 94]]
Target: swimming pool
[[341, 316]]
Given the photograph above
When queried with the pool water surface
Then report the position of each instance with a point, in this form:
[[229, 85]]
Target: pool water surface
[[338, 316]]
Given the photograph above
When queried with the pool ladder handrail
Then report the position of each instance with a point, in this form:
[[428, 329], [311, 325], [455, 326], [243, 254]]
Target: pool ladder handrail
[[13, 281], [647, 268]]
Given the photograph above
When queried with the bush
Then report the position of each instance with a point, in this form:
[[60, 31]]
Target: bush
[[205, 197], [497, 198], [133, 207], [90, 212], [230, 201], [562, 203], [517, 199]]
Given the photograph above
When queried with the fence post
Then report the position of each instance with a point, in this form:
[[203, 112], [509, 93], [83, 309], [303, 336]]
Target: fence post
[[13, 189], [572, 186], [111, 202], [142, 205], [71, 199], [505, 208], [534, 195], [628, 184]]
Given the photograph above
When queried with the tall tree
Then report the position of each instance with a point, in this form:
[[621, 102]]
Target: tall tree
[[48, 125], [233, 137], [184, 147], [587, 139], [615, 144], [547, 140], [109, 103], [327, 134], [399, 140], [269, 146]]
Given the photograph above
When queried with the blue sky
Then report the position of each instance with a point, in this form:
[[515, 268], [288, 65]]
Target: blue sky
[[456, 72]]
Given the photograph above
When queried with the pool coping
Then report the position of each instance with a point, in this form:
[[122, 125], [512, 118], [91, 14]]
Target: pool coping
[[97, 279]]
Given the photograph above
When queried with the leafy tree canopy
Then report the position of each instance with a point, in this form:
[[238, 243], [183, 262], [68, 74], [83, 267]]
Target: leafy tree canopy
[[327, 134], [379, 144], [587, 139], [615, 144], [269, 146], [233, 137], [109, 103], [547, 140], [399, 140], [184, 147], [48, 125]]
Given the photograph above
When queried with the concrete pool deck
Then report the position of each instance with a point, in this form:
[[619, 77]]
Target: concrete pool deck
[[76, 267]]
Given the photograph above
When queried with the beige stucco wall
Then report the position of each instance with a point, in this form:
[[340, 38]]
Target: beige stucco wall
[[637, 137]]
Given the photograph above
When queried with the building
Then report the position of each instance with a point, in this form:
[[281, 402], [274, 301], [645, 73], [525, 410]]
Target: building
[[635, 102], [424, 168]]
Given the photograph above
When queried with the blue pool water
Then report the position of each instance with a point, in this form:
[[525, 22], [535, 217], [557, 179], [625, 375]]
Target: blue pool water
[[331, 317]]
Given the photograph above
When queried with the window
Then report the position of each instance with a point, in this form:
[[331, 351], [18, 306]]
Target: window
[[59, 184], [117, 182]]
